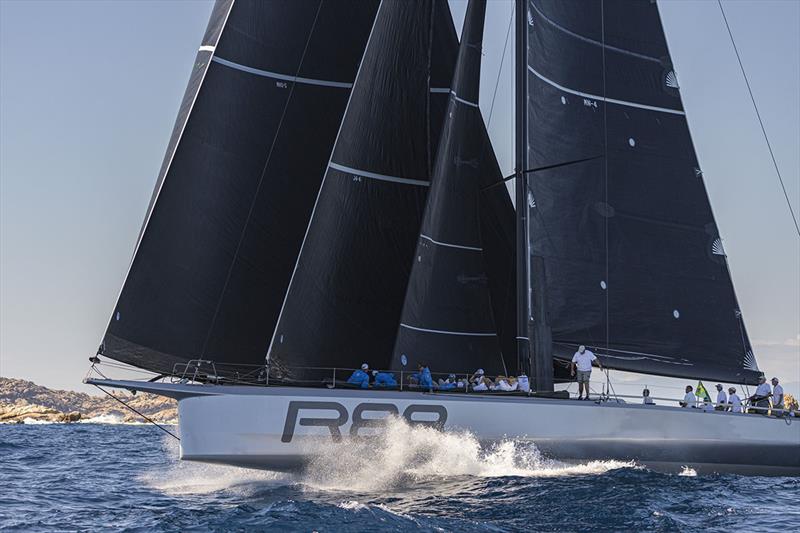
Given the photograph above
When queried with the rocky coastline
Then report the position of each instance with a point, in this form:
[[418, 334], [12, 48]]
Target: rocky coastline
[[23, 401]]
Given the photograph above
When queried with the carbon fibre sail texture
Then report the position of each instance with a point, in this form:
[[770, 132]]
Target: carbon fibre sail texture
[[235, 193], [346, 296], [449, 316], [633, 262]]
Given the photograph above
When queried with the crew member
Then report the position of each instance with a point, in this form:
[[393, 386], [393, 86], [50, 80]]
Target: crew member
[[761, 398], [646, 399], [582, 361], [734, 401], [425, 379], [384, 379], [722, 398], [360, 377], [777, 395], [689, 399]]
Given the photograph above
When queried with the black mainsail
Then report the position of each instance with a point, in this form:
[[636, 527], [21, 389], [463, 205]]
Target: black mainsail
[[238, 183], [622, 242], [346, 295], [448, 317]]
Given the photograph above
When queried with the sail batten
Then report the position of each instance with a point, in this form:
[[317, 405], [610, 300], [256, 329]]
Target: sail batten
[[284, 77]]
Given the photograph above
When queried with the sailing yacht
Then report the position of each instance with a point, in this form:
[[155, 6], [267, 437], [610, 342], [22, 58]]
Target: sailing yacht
[[330, 196]]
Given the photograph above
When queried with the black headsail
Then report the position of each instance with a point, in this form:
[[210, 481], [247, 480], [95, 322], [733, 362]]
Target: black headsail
[[238, 183], [448, 317], [346, 295], [620, 229]]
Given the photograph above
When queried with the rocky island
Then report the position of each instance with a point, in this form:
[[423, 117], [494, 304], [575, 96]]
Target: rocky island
[[24, 401]]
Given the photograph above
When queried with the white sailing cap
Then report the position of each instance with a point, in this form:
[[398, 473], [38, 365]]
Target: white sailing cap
[[364, 366], [479, 372], [581, 348]]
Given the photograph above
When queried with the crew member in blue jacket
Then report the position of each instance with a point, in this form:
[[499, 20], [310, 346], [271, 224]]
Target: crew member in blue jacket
[[425, 379], [360, 377], [383, 379]]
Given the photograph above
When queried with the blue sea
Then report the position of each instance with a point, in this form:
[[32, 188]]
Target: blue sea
[[104, 477]]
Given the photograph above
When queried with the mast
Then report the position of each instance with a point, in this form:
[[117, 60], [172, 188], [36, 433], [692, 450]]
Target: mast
[[534, 338], [521, 123]]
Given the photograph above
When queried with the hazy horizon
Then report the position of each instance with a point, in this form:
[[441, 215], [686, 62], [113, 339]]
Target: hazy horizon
[[89, 92]]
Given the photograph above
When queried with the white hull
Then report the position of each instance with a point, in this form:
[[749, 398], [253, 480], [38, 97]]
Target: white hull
[[282, 428]]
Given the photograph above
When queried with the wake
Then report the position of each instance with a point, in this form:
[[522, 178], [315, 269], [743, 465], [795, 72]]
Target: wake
[[402, 455]]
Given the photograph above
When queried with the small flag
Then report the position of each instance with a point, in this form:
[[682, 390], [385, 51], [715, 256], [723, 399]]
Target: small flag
[[701, 392]]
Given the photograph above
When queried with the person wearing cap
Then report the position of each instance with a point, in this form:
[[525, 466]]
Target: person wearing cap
[[360, 377], [734, 402], [777, 395], [477, 376], [582, 362], [722, 399], [761, 398]]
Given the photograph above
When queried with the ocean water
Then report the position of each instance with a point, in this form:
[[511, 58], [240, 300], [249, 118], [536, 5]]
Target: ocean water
[[114, 477]]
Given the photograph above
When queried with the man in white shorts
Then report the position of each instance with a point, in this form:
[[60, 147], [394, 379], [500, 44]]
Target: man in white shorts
[[582, 361]]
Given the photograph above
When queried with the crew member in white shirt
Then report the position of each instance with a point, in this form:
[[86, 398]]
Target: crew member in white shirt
[[582, 361], [734, 401], [689, 399], [646, 399], [777, 395], [722, 399], [761, 398]]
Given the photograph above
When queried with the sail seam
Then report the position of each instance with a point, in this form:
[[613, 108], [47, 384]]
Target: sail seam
[[459, 99], [603, 99], [445, 332], [277, 76], [592, 41], [450, 245], [376, 176]]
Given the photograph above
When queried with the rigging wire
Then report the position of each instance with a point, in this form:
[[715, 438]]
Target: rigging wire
[[156, 424], [760, 122], [502, 61]]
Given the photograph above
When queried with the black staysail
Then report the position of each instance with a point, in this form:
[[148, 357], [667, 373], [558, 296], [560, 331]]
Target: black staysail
[[448, 317], [633, 264], [238, 183], [346, 295]]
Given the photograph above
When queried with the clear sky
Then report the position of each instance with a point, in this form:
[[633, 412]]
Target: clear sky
[[89, 91]]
